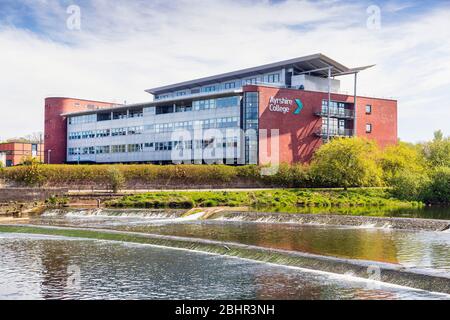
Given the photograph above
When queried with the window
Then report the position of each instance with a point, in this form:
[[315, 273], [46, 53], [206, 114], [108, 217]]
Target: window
[[119, 148], [119, 115], [230, 85], [204, 104], [118, 132], [135, 130], [368, 128], [181, 93], [102, 149], [135, 147], [88, 150], [227, 102], [250, 81], [368, 109], [83, 119], [183, 108], [162, 96], [150, 110], [209, 89], [136, 113], [104, 116], [103, 133], [273, 78], [74, 151]]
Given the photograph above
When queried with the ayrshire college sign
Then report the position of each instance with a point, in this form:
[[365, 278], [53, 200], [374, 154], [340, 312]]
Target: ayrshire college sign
[[284, 105]]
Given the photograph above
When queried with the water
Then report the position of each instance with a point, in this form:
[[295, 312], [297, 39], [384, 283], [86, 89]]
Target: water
[[411, 249], [39, 267]]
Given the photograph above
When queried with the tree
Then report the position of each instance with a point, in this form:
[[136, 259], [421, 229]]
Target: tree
[[437, 152], [347, 162], [438, 188], [396, 159], [409, 185], [35, 137]]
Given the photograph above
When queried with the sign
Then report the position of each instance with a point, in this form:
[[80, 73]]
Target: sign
[[284, 105]]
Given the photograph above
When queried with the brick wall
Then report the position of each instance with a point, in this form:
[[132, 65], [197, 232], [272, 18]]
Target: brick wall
[[298, 139]]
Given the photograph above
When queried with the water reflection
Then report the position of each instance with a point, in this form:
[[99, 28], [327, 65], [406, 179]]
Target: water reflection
[[35, 267], [413, 249]]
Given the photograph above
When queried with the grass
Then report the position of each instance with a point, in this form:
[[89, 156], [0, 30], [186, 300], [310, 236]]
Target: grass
[[274, 199]]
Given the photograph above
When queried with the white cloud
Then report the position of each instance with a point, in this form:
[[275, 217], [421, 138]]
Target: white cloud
[[128, 46]]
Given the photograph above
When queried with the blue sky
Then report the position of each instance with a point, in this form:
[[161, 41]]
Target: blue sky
[[126, 46]]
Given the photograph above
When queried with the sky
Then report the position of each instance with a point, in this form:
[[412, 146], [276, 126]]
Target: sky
[[115, 49]]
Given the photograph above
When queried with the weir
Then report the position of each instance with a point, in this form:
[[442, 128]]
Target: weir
[[389, 273], [261, 217]]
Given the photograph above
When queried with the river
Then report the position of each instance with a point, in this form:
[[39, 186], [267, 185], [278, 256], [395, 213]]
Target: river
[[37, 267]]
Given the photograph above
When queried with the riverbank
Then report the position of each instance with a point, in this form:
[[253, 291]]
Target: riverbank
[[272, 200]]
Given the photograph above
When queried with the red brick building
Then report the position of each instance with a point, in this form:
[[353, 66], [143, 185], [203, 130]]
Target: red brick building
[[55, 128], [301, 134], [291, 106], [13, 153]]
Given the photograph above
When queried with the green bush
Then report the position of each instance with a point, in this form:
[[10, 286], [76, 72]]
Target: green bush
[[400, 157], [30, 174], [116, 180], [409, 185], [438, 188], [437, 151], [347, 163]]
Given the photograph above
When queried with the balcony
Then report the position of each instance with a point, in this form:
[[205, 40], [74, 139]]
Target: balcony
[[340, 132], [336, 113]]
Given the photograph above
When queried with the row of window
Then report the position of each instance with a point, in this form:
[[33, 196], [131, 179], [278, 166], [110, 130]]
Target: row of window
[[105, 133], [271, 78], [125, 114], [156, 146], [220, 123], [216, 103], [339, 125], [105, 116], [339, 107]]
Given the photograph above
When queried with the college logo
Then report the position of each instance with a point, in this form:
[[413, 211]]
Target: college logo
[[299, 106], [284, 105]]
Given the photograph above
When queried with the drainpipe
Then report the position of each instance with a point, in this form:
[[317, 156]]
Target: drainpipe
[[329, 104], [354, 108]]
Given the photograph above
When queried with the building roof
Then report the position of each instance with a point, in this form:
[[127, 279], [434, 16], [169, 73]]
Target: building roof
[[312, 63]]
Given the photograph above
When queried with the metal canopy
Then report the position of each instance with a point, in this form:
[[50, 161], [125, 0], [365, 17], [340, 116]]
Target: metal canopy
[[314, 64]]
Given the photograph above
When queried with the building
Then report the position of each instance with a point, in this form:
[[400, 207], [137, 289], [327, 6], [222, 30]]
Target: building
[[55, 127], [14, 153], [276, 113]]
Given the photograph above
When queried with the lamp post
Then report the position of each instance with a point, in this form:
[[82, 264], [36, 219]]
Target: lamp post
[[49, 152]]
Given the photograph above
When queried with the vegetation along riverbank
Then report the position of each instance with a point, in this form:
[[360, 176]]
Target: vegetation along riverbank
[[269, 200], [406, 175]]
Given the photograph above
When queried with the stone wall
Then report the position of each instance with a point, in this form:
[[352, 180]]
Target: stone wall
[[29, 194]]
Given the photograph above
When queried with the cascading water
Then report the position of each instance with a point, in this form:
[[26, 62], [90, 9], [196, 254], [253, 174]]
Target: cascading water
[[381, 240]]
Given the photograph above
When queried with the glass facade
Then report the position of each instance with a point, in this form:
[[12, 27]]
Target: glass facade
[[122, 141], [251, 126]]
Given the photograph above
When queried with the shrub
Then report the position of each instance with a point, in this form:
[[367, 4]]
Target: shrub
[[30, 173], [116, 180], [397, 158], [438, 188], [437, 151], [347, 162], [409, 185]]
